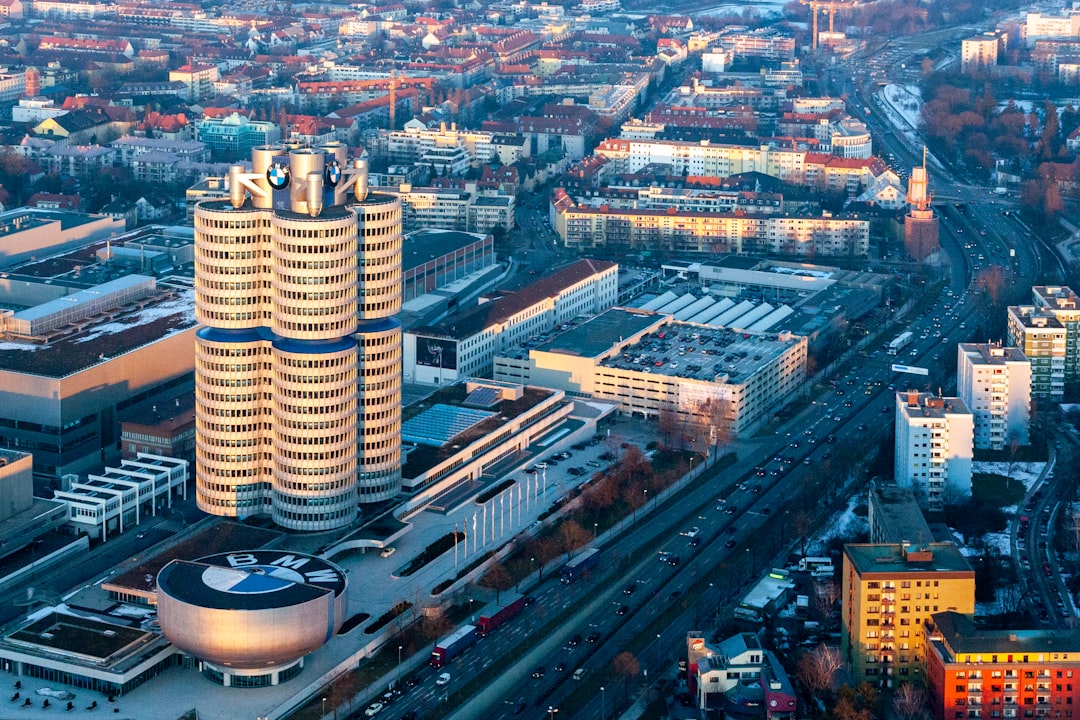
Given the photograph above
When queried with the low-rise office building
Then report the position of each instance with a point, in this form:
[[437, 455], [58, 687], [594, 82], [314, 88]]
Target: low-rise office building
[[119, 497], [888, 591], [995, 383], [934, 448], [696, 379], [463, 431], [465, 344], [433, 258]]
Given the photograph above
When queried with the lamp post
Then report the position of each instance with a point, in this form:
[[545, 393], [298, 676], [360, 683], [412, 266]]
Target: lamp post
[[753, 564], [470, 609], [594, 527], [603, 704], [551, 712], [399, 647], [323, 708]]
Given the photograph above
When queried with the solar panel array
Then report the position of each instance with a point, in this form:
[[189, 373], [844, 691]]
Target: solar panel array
[[482, 397], [440, 424]]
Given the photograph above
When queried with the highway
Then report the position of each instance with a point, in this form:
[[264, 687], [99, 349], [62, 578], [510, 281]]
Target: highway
[[638, 597]]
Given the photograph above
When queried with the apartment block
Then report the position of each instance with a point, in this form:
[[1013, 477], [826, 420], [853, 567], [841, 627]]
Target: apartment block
[[888, 591], [933, 448], [1043, 340], [1063, 304], [980, 53], [977, 673], [685, 230], [995, 383]]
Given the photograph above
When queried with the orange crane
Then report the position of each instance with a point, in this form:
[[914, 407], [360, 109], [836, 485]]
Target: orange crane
[[830, 7]]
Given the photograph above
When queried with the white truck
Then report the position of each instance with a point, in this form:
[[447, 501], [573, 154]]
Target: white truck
[[900, 342]]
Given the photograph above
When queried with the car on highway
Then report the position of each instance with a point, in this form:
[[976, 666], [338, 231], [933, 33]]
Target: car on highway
[[623, 609], [594, 637], [574, 641], [729, 544], [629, 589], [559, 667], [442, 679], [691, 533], [373, 709], [539, 671]]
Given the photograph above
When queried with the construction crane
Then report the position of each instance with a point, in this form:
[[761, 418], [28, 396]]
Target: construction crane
[[830, 7]]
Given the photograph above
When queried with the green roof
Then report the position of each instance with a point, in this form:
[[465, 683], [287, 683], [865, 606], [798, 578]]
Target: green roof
[[597, 336]]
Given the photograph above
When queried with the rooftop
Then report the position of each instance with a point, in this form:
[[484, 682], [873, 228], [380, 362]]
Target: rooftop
[[495, 312], [422, 457], [76, 635], [120, 332], [597, 336], [992, 354], [702, 353], [929, 405], [424, 246], [960, 636], [894, 558]]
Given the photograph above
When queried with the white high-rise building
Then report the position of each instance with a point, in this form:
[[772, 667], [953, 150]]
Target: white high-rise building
[[995, 383], [298, 365], [934, 444]]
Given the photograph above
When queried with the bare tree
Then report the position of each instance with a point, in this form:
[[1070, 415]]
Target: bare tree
[[804, 524], [573, 536], [817, 668], [497, 578], [910, 703], [826, 594]]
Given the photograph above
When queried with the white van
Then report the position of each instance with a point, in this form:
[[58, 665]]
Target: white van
[[580, 673]]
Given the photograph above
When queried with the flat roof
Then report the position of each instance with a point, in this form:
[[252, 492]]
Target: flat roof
[[421, 458], [423, 246], [85, 296], [211, 585], [889, 558], [701, 352], [468, 323], [962, 636], [596, 336], [78, 635], [97, 343], [440, 424]]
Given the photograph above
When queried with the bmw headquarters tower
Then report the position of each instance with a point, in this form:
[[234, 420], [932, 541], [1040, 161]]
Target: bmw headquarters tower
[[298, 362]]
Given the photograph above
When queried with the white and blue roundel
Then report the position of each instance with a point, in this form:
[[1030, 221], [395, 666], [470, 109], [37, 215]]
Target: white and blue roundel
[[253, 579], [278, 176], [332, 173]]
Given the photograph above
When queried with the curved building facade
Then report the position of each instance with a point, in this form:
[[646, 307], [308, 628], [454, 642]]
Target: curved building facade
[[251, 617], [298, 365]]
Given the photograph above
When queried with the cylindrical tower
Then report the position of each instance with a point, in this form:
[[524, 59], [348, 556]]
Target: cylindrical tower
[[298, 370], [379, 338], [231, 385]]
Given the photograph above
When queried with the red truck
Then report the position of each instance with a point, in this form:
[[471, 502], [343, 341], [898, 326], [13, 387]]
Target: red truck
[[498, 613]]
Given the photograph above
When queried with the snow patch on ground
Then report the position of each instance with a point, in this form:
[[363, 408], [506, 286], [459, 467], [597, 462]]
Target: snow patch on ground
[[905, 101], [846, 524], [1026, 473]]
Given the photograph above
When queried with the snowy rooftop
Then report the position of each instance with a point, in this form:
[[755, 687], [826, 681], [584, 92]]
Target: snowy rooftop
[[97, 343]]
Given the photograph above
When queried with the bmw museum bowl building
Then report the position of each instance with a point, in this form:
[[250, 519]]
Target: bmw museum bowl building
[[251, 617]]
